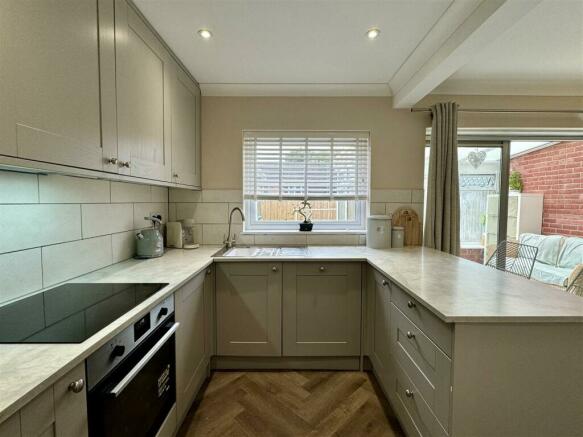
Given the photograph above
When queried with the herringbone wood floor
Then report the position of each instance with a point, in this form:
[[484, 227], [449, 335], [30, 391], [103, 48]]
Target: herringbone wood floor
[[287, 403]]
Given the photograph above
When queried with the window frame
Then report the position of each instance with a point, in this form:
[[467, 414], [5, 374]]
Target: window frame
[[251, 223]]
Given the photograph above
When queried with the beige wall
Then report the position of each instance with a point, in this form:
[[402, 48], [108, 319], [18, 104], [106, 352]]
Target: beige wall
[[397, 136]]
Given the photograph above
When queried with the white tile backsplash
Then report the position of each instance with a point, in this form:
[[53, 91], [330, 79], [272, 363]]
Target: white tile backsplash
[[18, 187], [106, 218], [183, 195], [417, 196], [66, 189], [124, 192], [21, 273], [65, 261], [28, 226], [210, 209], [59, 227], [123, 245], [142, 210]]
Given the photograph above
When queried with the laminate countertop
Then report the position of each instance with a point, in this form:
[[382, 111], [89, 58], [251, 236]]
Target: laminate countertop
[[456, 290]]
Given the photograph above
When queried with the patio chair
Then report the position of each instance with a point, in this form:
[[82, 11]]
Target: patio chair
[[514, 258], [575, 285]]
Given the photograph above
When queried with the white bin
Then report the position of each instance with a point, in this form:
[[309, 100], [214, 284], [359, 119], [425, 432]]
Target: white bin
[[378, 232]]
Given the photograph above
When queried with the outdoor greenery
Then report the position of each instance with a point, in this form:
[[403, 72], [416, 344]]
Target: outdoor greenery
[[515, 181]]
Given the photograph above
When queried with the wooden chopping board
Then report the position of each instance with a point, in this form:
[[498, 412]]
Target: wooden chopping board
[[408, 219]]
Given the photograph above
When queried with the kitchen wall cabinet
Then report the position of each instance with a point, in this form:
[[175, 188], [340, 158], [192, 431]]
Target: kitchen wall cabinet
[[143, 72], [191, 354], [59, 411], [50, 82], [321, 309], [185, 130], [248, 309], [89, 89], [379, 332]]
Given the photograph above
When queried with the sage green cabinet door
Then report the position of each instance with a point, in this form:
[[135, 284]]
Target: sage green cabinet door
[[321, 309], [190, 342], [71, 407], [143, 72], [209, 313], [380, 332], [185, 130], [248, 300], [50, 81]]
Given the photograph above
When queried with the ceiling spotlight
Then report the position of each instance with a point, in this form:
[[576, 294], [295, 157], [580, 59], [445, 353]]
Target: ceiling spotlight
[[373, 33], [205, 33]]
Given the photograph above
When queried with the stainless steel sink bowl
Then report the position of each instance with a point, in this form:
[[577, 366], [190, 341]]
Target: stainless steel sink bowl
[[255, 251]]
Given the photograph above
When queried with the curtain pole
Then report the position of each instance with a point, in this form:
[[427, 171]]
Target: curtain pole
[[518, 111]]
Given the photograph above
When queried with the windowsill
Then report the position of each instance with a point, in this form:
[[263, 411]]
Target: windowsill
[[318, 232]]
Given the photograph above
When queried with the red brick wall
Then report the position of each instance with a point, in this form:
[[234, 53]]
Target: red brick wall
[[556, 171]]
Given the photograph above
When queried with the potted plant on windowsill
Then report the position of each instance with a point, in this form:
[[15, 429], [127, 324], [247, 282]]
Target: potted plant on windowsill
[[306, 225], [515, 181]]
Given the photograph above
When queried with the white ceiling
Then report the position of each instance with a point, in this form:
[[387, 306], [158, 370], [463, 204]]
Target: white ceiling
[[318, 47], [541, 55], [293, 42]]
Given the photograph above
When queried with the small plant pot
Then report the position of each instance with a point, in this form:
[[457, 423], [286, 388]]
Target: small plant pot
[[306, 227]]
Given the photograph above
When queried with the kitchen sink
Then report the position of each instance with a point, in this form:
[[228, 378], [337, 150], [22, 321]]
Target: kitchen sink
[[254, 251]]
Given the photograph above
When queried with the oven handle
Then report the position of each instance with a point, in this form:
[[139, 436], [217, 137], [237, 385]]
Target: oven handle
[[136, 369]]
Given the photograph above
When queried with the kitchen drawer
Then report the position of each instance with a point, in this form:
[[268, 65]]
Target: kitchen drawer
[[438, 331], [418, 412], [327, 268], [427, 366]]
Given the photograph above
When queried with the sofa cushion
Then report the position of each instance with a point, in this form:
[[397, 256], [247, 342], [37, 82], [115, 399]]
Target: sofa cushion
[[550, 274], [571, 253], [548, 246]]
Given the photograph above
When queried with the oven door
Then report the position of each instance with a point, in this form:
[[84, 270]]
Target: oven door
[[135, 398]]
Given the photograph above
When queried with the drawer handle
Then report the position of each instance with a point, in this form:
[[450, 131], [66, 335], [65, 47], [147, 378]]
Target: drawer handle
[[385, 282], [274, 268], [410, 334], [77, 386], [411, 304], [208, 271], [322, 268], [408, 393]]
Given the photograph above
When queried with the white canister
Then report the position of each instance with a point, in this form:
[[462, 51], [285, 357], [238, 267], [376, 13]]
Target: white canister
[[398, 239], [378, 232]]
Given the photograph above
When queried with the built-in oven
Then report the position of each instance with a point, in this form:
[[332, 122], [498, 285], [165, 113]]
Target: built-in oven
[[132, 379]]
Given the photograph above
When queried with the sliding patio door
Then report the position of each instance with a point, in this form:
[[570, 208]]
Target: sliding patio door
[[483, 187]]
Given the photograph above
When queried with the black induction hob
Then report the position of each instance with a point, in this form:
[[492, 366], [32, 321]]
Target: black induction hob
[[69, 313]]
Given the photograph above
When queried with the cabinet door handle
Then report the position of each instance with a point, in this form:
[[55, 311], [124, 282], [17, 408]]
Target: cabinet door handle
[[385, 282], [411, 304], [408, 393], [125, 164], [175, 175], [274, 268], [410, 334], [322, 268], [77, 386], [111, 160], [208, 271]]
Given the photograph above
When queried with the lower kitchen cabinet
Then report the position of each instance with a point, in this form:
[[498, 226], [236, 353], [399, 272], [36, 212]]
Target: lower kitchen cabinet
[[59, 411], [248, 309], [321, 309], [379, 332], [209, 313], [191, 355]]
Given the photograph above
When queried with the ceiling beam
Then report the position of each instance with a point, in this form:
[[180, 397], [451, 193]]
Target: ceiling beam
[[428, 66]]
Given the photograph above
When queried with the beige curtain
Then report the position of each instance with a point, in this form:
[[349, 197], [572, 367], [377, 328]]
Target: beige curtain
[[442, 214]]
